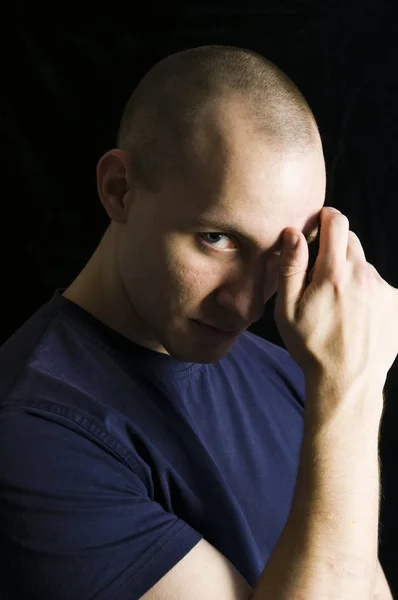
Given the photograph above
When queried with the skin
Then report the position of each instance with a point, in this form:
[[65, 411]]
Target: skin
[[150, 276], [152, 273]]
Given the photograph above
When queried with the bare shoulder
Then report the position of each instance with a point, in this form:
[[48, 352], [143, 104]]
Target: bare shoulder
[[202, 574]]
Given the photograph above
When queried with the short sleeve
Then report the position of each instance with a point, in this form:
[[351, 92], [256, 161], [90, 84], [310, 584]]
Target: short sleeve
[[76, 523]]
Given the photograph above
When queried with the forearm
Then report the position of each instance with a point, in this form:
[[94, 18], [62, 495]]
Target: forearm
[[328, 548]]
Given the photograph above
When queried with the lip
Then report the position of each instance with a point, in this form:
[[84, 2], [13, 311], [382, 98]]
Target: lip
[[219, 332]]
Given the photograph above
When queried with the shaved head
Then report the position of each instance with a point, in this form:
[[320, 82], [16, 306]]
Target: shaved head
[[170, 111]]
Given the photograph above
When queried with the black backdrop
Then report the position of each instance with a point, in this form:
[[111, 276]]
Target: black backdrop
[[66, 78]]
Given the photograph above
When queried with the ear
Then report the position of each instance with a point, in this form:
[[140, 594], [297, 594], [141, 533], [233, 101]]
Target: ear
[[113, 184]]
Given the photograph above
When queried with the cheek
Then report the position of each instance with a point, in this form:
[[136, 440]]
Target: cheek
[[191, 279], [272, 280], [194, 280]]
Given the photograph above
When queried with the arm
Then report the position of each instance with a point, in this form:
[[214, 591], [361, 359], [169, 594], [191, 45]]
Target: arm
[[382, 590], [331, 535]]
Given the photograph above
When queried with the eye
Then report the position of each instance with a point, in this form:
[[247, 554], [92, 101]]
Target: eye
[[212, 243], [205, 241]]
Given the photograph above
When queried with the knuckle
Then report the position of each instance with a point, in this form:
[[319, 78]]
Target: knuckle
[[364, 270], [365, 275], [373, 271]]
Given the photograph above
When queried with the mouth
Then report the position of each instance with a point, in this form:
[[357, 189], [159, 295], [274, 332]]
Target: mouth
[[218, 332]]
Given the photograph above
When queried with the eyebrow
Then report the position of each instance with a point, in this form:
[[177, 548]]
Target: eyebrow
[[219, 225]]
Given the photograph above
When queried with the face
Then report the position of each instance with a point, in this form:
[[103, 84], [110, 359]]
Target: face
[[178, 268]]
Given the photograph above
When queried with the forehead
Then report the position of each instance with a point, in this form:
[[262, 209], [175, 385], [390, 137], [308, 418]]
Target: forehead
[[258, 195]]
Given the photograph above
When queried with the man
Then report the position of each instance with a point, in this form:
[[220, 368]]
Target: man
[[150, 443]]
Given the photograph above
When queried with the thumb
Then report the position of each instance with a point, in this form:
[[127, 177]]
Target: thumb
[[293, 266]]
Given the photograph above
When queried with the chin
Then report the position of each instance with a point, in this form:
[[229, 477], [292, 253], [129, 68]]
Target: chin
[[206, 355]]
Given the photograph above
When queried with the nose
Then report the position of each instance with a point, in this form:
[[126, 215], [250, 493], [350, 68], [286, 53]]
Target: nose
[[247, 295]]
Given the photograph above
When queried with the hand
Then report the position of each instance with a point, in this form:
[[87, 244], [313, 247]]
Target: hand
[[344, 324]]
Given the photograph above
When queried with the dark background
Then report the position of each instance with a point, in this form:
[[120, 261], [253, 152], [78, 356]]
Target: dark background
[[66, 78]]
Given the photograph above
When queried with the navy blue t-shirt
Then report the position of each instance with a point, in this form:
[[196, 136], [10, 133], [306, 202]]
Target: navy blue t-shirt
[[116, 460]]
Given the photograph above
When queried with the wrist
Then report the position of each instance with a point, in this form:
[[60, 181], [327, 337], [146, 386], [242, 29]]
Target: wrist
[[329, 401]]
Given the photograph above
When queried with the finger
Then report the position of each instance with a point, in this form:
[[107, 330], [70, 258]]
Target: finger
[[333, 240], [355, 251]]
